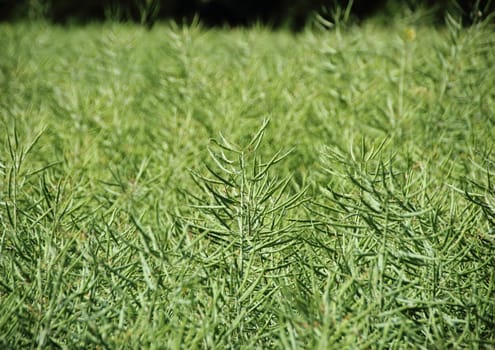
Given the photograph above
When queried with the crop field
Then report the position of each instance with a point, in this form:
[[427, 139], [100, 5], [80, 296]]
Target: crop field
[[195, 188]]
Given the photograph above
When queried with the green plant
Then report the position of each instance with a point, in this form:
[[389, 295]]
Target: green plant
[[109, 240], [241, 219], [400, 234]]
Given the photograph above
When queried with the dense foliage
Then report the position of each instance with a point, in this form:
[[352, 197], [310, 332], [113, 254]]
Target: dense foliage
[[185, 187]]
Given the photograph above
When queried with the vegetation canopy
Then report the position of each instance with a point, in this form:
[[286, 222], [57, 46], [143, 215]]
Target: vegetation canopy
[[184, 187]]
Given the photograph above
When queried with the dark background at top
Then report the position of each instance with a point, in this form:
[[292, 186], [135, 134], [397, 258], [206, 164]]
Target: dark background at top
[[291, 13]]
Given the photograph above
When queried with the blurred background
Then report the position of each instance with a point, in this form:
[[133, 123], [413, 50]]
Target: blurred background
[[293, 14]]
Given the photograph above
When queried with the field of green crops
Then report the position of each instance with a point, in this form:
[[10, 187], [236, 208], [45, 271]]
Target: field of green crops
[[193, 188]]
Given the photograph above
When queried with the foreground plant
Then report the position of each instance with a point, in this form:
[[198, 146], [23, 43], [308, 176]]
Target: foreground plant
[[240, 219], [401, 242]]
